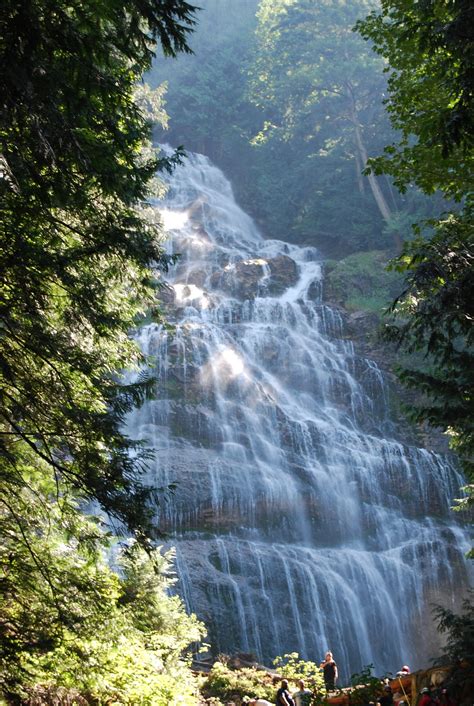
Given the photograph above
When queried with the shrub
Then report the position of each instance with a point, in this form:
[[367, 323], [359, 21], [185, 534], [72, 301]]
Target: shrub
[[227, 684], [361, 282]]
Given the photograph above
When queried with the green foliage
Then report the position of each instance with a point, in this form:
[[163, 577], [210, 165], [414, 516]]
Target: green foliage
[[69, 621], [319, 90], [434, 317], [362, 282], [226, 684], [429, 47], [365, 687], [291, 667], [206, 92], [459, 650]]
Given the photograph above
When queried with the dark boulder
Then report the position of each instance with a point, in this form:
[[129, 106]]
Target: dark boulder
[[248, 279], [283, 274]]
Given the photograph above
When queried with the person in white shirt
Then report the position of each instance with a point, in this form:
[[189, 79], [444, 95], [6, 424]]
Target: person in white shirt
[[303, 696]]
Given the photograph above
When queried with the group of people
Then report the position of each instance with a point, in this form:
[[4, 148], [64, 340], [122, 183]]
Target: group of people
[[426, 698], [302, 697]]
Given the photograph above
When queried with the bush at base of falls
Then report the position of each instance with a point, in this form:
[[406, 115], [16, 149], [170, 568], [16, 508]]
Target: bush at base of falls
[[124, 671], [121, 664], [225, 683], [291, 667], [361, 282], [120, 661]]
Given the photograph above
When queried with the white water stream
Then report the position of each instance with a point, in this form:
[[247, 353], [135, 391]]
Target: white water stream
[[302, 521]]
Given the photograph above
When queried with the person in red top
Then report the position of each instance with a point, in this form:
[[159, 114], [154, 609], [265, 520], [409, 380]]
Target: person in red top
[[426, 699]]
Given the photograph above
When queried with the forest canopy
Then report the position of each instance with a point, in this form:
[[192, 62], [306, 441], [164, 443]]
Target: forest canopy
[[297, 105]]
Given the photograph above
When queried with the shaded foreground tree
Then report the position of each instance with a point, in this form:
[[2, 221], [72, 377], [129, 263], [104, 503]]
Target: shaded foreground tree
[[76, 254], [77, 265], [429, 47], [434, 316]]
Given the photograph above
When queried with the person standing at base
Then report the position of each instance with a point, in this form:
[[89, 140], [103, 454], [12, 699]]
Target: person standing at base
[[303, 696], [387, 698], [426, 698], [283, 697], [329, 668]]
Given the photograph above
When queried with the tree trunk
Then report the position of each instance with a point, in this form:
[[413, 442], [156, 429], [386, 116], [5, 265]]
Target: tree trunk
[[359, 175], [377, 193], [374, 185]]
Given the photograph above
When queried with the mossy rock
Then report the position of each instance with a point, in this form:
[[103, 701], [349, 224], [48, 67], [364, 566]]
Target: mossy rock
[[361, 282]]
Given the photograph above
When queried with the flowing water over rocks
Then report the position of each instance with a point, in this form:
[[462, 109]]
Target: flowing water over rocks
[[301, 520]]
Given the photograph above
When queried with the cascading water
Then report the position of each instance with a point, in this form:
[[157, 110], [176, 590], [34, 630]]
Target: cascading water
[[301, 520]]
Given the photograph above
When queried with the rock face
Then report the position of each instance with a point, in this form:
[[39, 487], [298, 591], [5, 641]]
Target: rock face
[[364, 329], [283, 274], [166, 295], [362, 280], [247, 279]]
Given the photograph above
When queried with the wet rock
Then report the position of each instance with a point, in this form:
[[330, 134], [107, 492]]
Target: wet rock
[[197, 277], [243, 659], [283, 274], [362, 325], [363, 328], [166, 294], [315, 291], [241, 279], [248, 279]]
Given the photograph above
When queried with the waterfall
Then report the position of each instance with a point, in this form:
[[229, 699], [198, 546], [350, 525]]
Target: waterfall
[[302, 520]]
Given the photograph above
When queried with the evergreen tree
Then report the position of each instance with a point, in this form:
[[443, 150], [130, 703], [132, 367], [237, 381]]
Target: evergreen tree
[[79, 261], [76, 254], [67, 620], [207, 91], [458, 630]]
